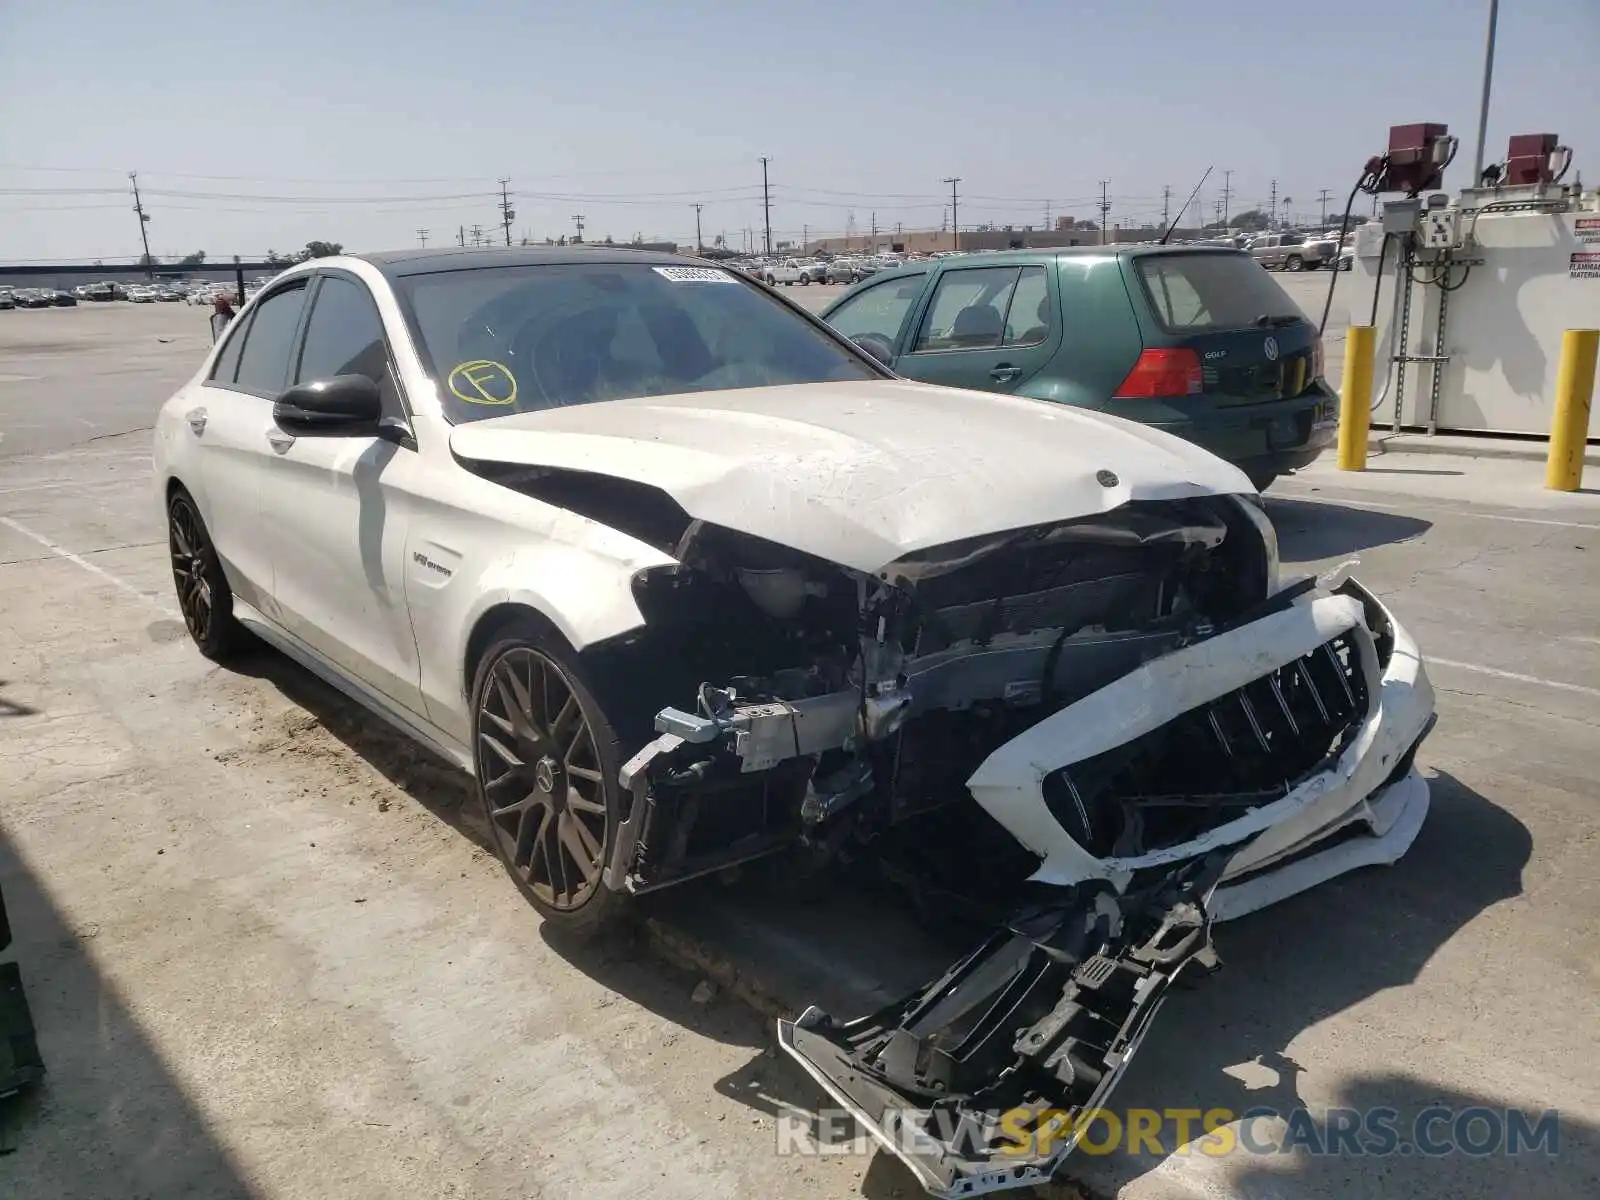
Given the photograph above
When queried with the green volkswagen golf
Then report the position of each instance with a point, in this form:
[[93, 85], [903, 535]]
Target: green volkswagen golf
[[1198, 341]]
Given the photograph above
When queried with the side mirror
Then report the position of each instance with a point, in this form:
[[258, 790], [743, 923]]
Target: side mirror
[[344, 406], [878, 346]]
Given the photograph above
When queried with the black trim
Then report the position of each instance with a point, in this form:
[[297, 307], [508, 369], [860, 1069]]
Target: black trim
[[408, 410]]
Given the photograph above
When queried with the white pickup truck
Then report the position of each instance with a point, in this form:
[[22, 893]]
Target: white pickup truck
[[1291, 251], [795, 270]]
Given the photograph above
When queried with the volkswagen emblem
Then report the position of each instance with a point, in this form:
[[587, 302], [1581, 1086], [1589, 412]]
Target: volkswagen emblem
[[1270, 348], [1107, 478]]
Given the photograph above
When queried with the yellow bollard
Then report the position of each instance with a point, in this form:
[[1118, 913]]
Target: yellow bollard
[[1569, 431], [1355, 400]]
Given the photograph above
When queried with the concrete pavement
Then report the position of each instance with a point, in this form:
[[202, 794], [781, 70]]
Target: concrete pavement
[[269, 957]]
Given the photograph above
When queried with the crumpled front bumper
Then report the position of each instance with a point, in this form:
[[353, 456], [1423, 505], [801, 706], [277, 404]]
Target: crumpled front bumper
[[980, 1082]]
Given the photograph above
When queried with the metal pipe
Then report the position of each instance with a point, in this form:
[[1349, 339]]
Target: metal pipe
[[1574, 394], [1488, 79]]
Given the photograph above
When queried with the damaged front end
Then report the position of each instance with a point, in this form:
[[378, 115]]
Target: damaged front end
[[1156, 736]]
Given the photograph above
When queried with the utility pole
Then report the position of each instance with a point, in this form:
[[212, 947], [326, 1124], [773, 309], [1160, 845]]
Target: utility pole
[[1105, 209], [578, 220], [1272, 210], [1047, 214], [507, 214], [874, 230], [144, 218], [1166, 203], [461, 235], [1483, 106], [477, 235], [422, 238], [805, 239], [1322, 198], [766, 203], [698, 244], [1227, 195], [955, 221]]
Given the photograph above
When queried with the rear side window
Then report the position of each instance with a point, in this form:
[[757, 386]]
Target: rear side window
[[1192, 292], [264, 364], [1028, 320], [227, 365]]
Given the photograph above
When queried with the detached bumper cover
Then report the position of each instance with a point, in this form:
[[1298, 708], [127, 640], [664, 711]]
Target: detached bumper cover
[[981, 1082]]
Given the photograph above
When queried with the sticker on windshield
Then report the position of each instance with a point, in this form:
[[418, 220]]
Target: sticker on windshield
[[695, 275], [483, 381]]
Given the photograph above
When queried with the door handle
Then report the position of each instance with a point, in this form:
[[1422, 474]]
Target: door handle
[[279, 440], [197, 420], [1005, 373]]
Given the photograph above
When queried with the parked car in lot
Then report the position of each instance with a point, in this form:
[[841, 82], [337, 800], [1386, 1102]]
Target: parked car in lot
[[795, 270], [1195, 341], [842, 270], [6, 300], [139, 293], [60, 299], [30, 298], [1291, 251], [684, 578]]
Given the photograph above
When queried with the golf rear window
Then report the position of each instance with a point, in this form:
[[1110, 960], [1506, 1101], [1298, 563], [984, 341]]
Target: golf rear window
[[1192, 292]]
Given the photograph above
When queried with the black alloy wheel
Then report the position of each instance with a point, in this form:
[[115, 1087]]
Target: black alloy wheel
[[204, 598], [547, 764]]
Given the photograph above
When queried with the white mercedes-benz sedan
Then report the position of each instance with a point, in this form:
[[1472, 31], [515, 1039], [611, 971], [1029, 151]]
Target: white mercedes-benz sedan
[[685, 579]]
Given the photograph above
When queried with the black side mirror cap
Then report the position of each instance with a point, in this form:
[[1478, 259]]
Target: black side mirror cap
[[878, 346], [345, 405]]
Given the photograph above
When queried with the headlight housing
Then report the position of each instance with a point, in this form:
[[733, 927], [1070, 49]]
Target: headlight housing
[[1256, 511]]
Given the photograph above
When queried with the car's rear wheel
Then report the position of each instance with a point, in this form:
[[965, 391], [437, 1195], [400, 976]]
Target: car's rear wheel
[[204, 598], [546, 761], [1294, 262]]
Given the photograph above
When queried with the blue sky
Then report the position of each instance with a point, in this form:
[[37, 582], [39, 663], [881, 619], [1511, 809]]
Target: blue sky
[[264, 126]]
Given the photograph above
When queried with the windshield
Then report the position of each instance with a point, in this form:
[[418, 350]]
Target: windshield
[[519, 339], [1211, 291]]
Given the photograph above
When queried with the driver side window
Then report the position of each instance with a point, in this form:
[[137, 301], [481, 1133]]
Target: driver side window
[[879, 310], [344, 336]]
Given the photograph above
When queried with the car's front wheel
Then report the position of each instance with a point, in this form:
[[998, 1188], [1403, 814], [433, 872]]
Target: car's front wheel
[[204, 598], [546, 761]]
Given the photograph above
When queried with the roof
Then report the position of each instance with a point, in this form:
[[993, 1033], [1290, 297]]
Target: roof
[[1120, 249], [395, 263]]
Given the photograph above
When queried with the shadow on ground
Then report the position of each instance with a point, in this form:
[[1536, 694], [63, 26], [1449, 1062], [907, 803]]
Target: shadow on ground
[[1310, 530], [109, 1119]]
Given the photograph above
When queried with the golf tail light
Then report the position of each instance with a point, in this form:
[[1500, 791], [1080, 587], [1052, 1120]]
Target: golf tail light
[[1162, 373]]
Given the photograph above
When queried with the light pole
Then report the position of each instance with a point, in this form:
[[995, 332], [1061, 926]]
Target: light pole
[[1488, 79]]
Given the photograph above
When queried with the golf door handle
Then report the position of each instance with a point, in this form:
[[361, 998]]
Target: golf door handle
[[279, 440], [1005, 373], [197, 420]]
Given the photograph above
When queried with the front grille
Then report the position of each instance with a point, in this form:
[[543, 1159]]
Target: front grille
[[1237, 752]]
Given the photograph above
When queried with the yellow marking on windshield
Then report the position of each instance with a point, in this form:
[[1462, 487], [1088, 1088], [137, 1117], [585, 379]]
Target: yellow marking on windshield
[[484, 381]]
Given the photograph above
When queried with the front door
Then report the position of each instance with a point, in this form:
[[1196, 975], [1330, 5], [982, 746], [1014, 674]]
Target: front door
[[334, 512], [989, 328]]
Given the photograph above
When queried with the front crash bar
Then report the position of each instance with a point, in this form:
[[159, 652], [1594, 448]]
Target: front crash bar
[[986, 1079]]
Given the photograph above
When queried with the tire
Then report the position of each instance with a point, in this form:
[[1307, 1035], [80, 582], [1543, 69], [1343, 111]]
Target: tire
[[546, 776], [1294, 263], [204, 598]]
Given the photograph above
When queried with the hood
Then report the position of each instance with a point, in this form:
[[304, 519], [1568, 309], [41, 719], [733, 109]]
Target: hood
[[860, 474]]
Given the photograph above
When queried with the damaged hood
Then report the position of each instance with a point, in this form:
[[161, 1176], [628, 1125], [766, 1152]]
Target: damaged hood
[[860, 474]]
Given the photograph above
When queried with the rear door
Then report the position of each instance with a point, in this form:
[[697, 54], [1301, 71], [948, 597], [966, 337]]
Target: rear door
[[985, 327], [1254, 343], [231, 423]]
